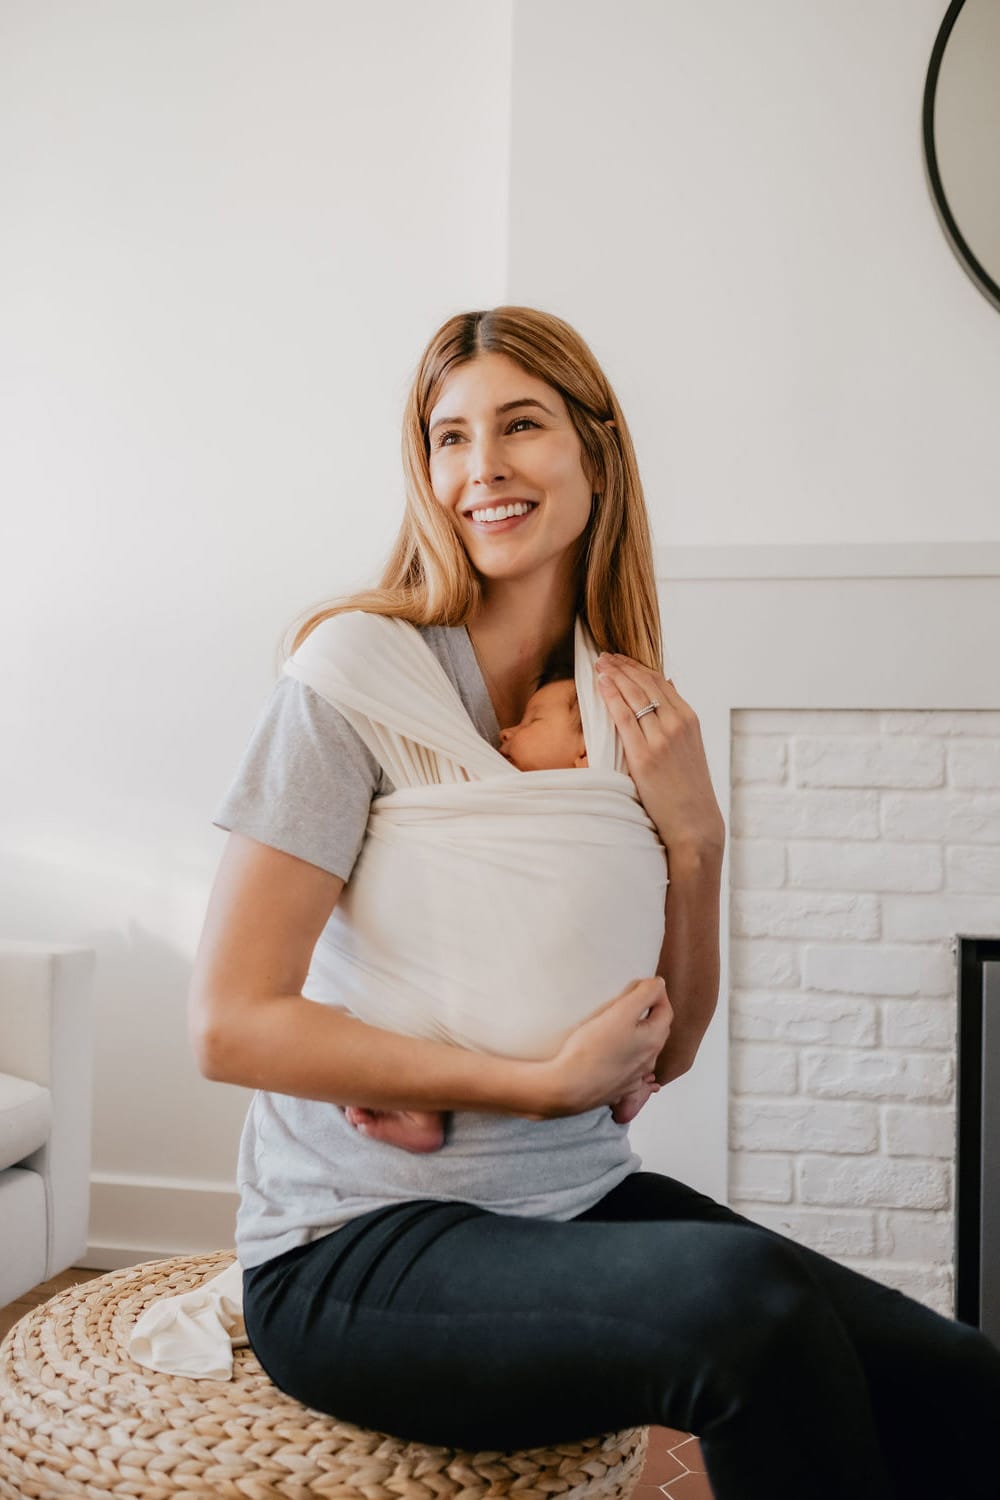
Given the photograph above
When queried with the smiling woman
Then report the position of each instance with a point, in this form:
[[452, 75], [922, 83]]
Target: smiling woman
[[521, 1281], [491, 456]]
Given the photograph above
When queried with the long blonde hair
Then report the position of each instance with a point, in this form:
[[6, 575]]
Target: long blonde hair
[[429, 579]]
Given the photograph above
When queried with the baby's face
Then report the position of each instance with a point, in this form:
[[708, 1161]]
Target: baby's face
[[550, 736]]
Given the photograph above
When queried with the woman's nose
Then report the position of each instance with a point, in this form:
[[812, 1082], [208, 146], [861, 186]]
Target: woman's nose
[[488, 462]]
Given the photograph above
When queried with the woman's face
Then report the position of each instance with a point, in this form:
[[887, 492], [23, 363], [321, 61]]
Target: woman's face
[[499, 435]]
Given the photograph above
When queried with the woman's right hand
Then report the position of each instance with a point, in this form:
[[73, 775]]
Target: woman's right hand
[[610, 1054]]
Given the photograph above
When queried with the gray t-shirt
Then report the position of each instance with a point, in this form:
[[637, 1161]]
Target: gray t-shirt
[[305, 786]]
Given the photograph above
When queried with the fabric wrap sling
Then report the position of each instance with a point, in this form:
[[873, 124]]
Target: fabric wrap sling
[[489, 907]]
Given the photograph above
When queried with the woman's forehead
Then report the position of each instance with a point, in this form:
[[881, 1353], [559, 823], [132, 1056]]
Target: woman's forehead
[[488, 376]]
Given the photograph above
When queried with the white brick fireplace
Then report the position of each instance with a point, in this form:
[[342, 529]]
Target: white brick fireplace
[[850, 704]]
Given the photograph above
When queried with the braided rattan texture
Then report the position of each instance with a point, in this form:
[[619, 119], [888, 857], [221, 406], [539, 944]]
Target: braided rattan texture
[[80, 1420]]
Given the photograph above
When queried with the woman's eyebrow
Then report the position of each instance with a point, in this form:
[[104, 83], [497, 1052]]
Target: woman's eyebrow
[[507, 406]]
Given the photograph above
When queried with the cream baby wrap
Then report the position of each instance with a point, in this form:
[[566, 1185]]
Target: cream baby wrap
[[489, 907]]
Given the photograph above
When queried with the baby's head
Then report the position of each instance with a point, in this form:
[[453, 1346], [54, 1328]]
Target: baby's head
[[550, 735]]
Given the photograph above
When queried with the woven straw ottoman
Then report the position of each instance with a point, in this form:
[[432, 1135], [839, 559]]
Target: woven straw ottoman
[[80, 1420]]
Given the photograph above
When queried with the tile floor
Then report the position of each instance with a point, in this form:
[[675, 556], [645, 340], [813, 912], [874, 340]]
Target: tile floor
[[674, 1468]]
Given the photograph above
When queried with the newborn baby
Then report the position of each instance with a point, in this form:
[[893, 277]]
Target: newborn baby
[[548, 738]]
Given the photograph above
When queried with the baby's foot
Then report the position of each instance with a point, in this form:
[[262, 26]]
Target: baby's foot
[[625, 1109], [413, 1130]]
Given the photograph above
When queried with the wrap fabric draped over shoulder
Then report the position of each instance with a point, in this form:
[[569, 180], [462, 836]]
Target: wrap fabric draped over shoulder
[[489, 907], [392, 689]]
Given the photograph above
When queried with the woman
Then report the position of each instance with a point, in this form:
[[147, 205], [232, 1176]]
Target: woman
[[526, 1284]]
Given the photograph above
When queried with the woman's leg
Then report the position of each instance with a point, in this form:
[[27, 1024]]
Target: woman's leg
[[447, 1324], [934, 1383]]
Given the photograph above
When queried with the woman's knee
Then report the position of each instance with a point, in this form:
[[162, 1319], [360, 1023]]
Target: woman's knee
[[748, 1273], [753, 1302]]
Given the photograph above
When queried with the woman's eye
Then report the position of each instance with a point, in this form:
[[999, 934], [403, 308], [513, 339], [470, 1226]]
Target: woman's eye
[[443, 439]]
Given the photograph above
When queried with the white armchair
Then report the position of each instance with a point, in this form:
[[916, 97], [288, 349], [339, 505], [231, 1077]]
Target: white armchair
[[46, 1071]]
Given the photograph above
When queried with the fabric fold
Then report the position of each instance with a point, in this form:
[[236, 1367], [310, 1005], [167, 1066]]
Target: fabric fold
[[194, 1333]]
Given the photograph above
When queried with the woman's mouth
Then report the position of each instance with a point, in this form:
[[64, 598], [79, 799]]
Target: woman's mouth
[[504, 523]]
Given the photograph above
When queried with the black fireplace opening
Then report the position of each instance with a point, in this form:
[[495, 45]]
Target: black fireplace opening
[[977, 1161]]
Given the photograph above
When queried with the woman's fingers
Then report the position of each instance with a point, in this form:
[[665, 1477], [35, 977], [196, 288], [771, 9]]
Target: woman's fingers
[[652, 1010], [659, 1010], [664, 753], [613, 1051]]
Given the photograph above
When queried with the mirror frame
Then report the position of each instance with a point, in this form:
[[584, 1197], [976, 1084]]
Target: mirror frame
[[975, 269]]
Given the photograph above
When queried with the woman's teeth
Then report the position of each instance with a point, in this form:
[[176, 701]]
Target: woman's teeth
[[500, 512]]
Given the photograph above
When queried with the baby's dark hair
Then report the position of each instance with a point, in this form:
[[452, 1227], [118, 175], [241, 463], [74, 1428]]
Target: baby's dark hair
[[560, 667]]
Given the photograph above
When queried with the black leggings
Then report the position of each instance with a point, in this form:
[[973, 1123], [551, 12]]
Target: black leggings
[[449, 1324]]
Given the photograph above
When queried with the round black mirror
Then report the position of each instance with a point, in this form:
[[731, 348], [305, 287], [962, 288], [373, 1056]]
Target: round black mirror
[[962, 136]]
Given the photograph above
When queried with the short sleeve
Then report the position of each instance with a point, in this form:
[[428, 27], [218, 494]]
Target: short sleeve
[[305, 783]]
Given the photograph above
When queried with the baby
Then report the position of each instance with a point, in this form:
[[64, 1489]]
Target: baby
[[548, 738]]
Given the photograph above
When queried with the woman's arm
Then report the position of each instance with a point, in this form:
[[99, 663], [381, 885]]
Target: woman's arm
[[250, 1024], [666, 759], [689, 957]]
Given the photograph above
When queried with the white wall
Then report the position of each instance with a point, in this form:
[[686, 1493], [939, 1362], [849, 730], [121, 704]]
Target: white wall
[[729, 201], [229, 230]]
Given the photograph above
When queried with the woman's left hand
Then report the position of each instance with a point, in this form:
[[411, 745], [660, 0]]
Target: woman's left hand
[[664, 754]]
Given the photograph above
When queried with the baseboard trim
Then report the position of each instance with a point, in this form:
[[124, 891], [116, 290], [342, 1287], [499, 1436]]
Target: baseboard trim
[[135, 1219], [117, 1257]]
